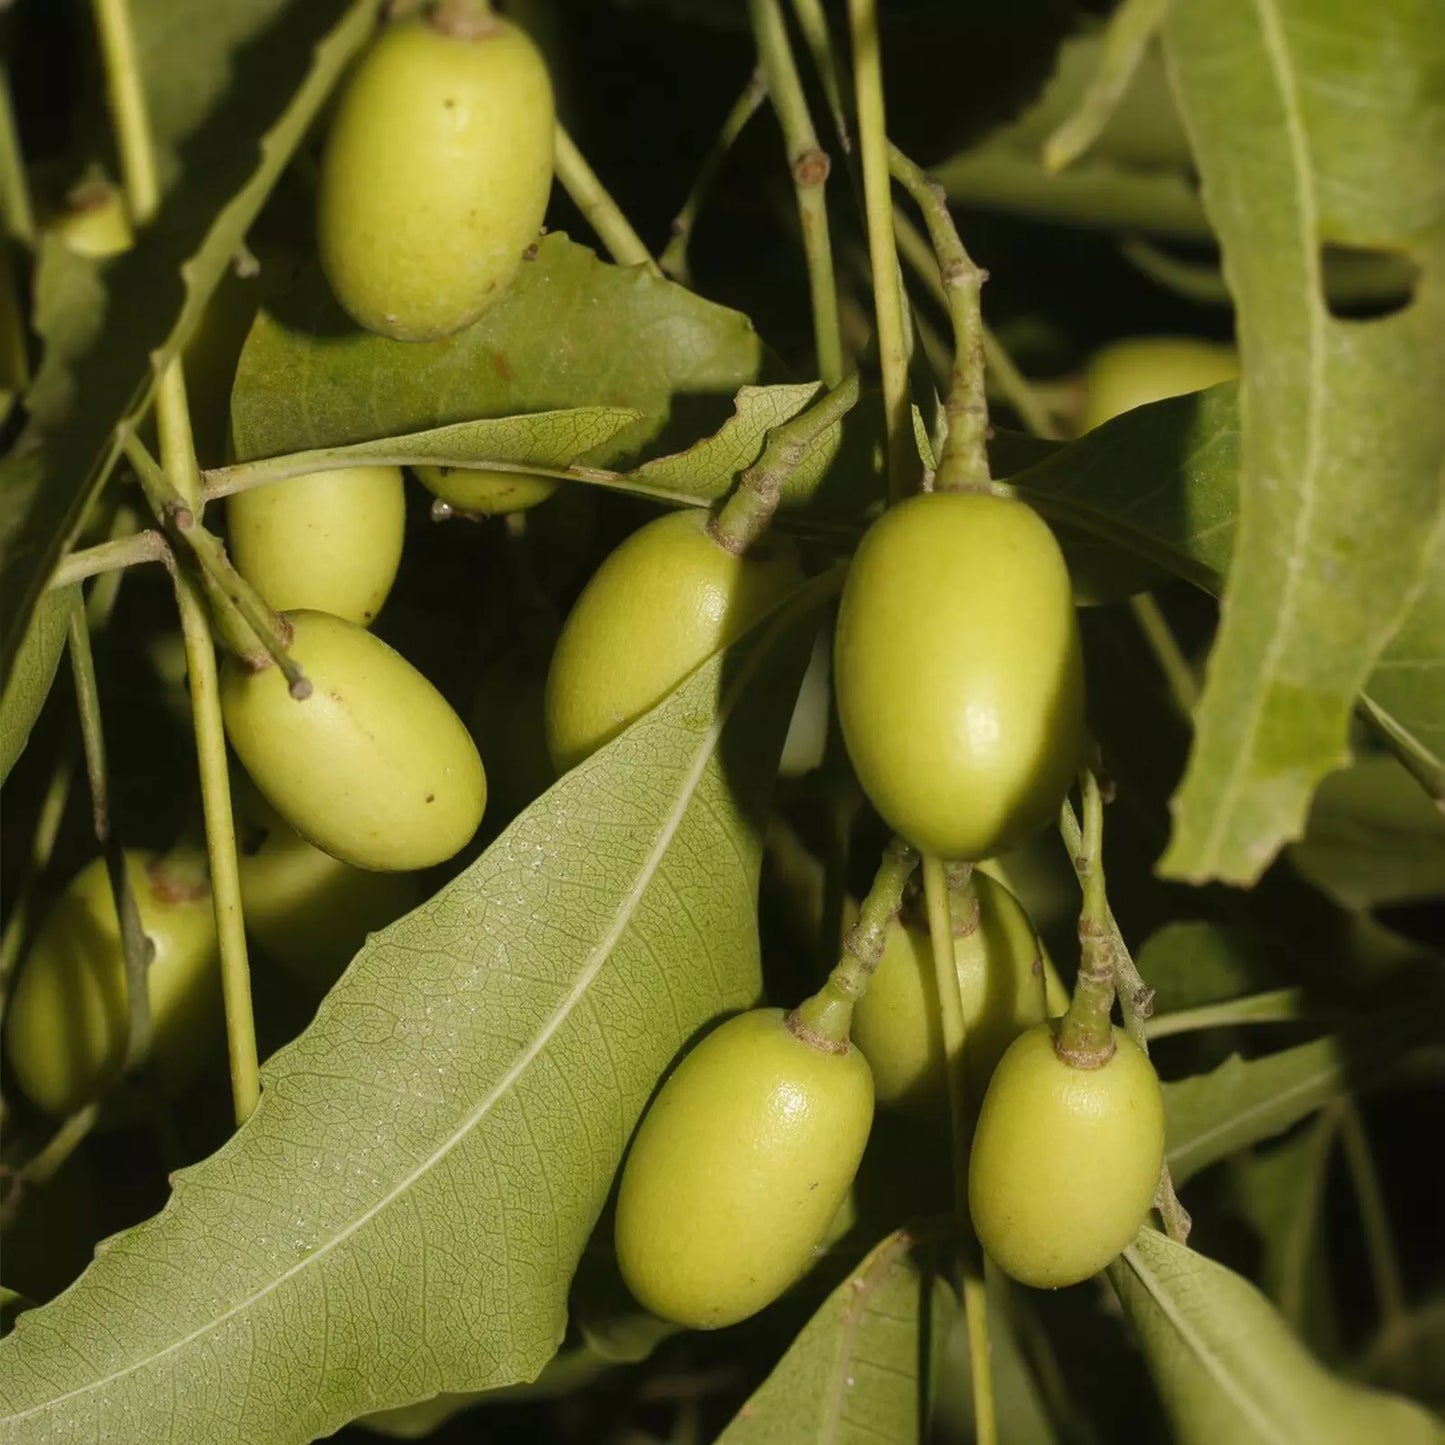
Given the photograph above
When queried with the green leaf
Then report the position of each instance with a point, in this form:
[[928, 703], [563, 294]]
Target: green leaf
[[1229, 1368], [1193, 963], [278, 64], [1373, 837], [404, 1211], [33, 674], [852, 1374], [1311, 122], [571, 331]]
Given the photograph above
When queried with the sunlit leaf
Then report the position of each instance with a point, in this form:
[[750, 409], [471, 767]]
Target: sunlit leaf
[[33, 673]]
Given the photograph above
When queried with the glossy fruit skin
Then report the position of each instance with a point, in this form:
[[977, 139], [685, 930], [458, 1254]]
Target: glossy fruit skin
[[434, 177], [739, 1169], [307, 910], [958, 673], [1065, 1160], [658, 607], [480, 492], [324, 542], [374, 767], [1006, 983], [67, 1021], [1141, 369]]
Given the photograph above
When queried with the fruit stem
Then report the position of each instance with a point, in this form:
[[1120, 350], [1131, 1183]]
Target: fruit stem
[[603, 214], [1085, 1036], [129, 115], [112, 556], [882, 255], [825, 1017], [464, 19], [744, 517], [809, 165], [963, 466], [813, 22], [673, 260]]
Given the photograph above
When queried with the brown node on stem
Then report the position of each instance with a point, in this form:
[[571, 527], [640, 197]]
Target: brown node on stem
[[464, 19], [1085, 1058], [812, 168], [800, 1030]]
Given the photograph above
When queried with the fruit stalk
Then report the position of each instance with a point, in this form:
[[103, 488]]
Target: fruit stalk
[[825, 1017], [130, 117], [813, 22], [745, 516], [809, 164], [595, 202], [1085, 1038], [964, 463], [464, 19], [112, 556]]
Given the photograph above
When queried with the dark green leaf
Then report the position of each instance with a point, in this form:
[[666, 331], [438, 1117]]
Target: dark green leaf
[[1312, 121], [33, 673]]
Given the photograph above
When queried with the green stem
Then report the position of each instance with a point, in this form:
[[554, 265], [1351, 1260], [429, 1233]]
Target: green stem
[[129, 114], [964, 463], [1374, 1217], [603, 214], [809, 165], [745, 516], [148, 546], [1177, 1222], [1183, 685], [1085, 1037], [673, 260], [814, 24], [42, 848], [1130, 29], [843, 802], [14, 185], [882, 255], [1300, 1240], [825, 1017], [136, 949], [1284, 1005]]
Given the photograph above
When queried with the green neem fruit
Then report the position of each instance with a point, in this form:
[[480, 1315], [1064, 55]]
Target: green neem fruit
[[374, 767], [309, 911], [94, 223], [958, 673], [68, 1020], [739, 1169], [1006, 983], [660, 605], [435, 176], [1065, 1160], [325, 542], [483, 493], [1141, 369]]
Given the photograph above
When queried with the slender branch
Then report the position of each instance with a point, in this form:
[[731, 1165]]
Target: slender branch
[[745, 516], [112, 556], [1183, 685], [14, 185], [1284, 1005], [673, 260], [809, 165], [882, 255], [843, 803], [603, 214], [41, 1168], [1374, 1216], [136, 948], [814, 24], [1300, 1239], [129, 114], [1086, 1035], [1130, 29], [964, 463]]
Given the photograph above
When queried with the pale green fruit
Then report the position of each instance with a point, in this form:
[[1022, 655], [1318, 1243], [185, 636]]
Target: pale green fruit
[[658, 607], [94, 223], [68, 1020], [1065, 1160], [739, 1169], [1006, 983], [309, 911], [374, 767], [483, 493], [435, 176], [325, 542], [958, 672], [1141, 369]]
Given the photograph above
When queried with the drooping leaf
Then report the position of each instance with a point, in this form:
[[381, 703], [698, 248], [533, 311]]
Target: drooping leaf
[[404, 1211], [571, 331], [33, 673], [1191, 963], [1311, 123], [1229, 1368], [852, 1374], [277, 64]]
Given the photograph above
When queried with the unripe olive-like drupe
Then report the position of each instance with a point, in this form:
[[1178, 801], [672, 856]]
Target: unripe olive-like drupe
[[95, 223], [1141, 369], [739, 1169], [1005, 982], [326, 542], [660, 605], [958, 673], [482, 492], [374, 767], [309, 911], [435, 176], [1065, 1160], [68, 1020]]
